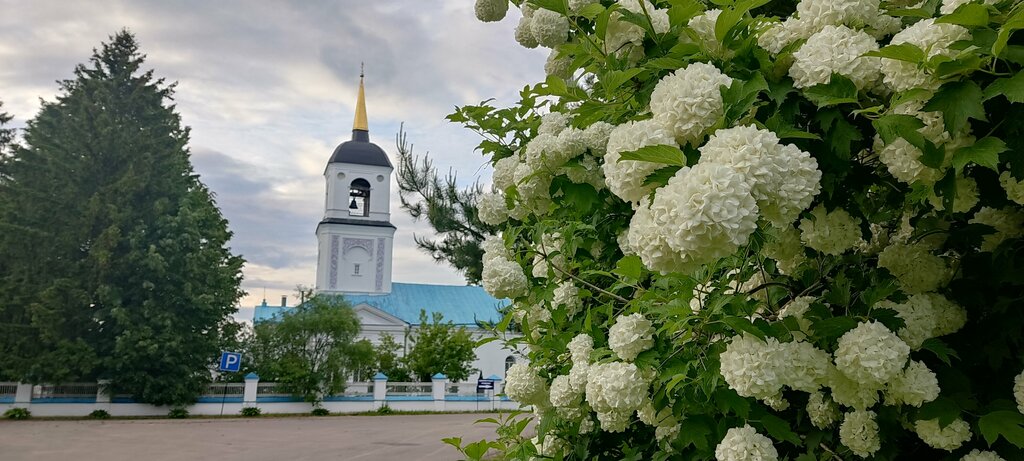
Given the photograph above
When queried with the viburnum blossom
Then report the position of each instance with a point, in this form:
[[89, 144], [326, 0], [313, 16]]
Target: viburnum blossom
[[704, 25], [524, 385], [689, 101], [578, 375], [1014, 188], [551, 246], [821, 410], [915, 385], [859, 433], [915, 267], [871, 354], [505, 172], [1008, 223], [491, 10], [552, 123], [851, 393], [965, 199], [562, 394], [786, 249], [820, 13], [549, 28], [777, 36], [626, 178], [805, 366], [580, 348], [745, 444], [567, 295], [615, 389], [784, 179], [1018, 391], [949, 6], [950, 317], [933, 39], [796, 308], [630, 335], [623, 37], [976, 455], [523, 34], [492, 209], [753, 368], [836, 50], [903, 161], [502, 277], [645, 239], [947, 438], [832, 232], [918, 319], [703, 213], [558, 64], [595, 137], [576, 5]]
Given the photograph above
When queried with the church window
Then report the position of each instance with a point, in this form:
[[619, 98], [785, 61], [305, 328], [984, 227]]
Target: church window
[[359, 195], [356, 270], [509, 361]]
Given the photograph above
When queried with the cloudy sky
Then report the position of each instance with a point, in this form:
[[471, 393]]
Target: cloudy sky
[[269, 88]]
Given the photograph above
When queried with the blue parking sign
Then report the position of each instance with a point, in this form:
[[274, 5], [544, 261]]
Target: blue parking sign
[[230, 361]]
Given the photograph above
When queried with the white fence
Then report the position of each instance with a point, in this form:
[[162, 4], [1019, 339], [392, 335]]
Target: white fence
[[80, 399]]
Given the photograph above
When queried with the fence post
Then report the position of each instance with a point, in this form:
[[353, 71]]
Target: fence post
[[252, 381], [439, 382], [380, 389], [23, 395], [103, 395]]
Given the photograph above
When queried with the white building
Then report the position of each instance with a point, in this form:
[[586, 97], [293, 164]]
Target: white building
[[354, 259]]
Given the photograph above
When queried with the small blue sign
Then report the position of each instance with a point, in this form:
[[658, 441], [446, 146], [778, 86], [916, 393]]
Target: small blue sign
[[230, 361], [484, 384]]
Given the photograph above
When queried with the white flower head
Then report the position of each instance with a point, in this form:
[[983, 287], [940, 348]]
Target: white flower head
[[524, 385], [832, 232], [850, 393], [626, 178], [1014, 188], [549, 28], [580, 348], [1008, 223], [821, 410], [631, 335], [836, 50], [805, 366], [615, 387], [689, 101], [947, 438], [786, 249], [491, 10], [915, 267], [503, 278], [563, 395], [492, 209], [978, 455], [934, 39], [1018, 391], [505, 172], [871, 354], [949, 6], [567, 295], [859, 433], [903, 161], [915, 385], [753, 368], [745, 444], [523, 32]]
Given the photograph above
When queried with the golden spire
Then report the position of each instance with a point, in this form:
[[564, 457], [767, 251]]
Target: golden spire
[[360, 122]]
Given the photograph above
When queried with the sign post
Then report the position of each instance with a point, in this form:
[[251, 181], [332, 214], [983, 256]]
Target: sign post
[[230, 362]]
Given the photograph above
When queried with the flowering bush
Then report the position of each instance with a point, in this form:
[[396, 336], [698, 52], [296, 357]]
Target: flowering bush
[[764, 230]]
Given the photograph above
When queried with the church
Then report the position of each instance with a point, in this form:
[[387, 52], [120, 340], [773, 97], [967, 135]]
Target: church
[[355, 259]]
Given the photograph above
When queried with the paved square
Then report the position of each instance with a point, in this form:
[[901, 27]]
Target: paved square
[[396, 437]]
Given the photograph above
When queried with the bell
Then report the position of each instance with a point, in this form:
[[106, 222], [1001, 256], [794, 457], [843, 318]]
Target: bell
[[353, 205]]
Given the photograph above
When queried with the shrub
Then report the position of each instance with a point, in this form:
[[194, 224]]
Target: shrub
[[177, 413], [99, 414], [320, 411], [251, 411], [385, 410], [18, 413]]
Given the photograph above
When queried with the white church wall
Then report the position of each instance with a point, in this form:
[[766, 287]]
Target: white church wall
[[354, 259]]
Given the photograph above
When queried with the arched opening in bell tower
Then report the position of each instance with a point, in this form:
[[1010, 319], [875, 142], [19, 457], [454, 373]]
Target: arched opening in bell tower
[[359, 198]]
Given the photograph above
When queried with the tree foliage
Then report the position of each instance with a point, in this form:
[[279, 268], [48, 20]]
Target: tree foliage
[[311, 350], [450, 209], [115, 262], [873, 320], [389, 361], [440, 347], [6, 134]]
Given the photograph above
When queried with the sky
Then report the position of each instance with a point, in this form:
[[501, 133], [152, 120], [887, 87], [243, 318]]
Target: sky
[[268, 89]]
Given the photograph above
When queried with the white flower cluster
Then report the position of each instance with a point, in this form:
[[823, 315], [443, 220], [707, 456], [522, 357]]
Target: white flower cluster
[[965, 199], [549, 29], [903, 161], [830, 232], [562, 394], [491, 10], [1008, 223], [704, 25], [615, 390], [821, 410], [625, 38], [566, 294], [915, 267], [785, 248], [501, 277], [915, 385], [745, 444], [580, 348], [492, 209], [558, 65], [524, 385], [784, 178], [504, 175], [1018, 391], [796, 308], [1014, 189], [870, 354], [814, 15], [550, 244], [859, 433], [947, 438], [759, 369], [977, 455], [665, 423], [688, 101], [926, 316], [630, 335], [836, 50], [626, 178], [949, 6], [934, 39]]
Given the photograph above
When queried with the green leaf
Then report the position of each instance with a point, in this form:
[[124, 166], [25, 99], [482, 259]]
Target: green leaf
[[940, 349], [839, 90], [558, 6], [1011, 87], [967, 15], [958, 102], [741, 324], [668, 155], [476, 450], [984, 152], [778, 428], [661, 176], [591, 11], [729, 400], [1014, 23], [833, 327], [739, 97], [901, 52], [892, 126], [630, 266], [612, 80], [1008, 424], [731, 16], [943, 408], [694, 431]]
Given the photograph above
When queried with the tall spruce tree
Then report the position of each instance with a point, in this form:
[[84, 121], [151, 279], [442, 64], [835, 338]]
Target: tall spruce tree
[[6, 134], [116, 262]]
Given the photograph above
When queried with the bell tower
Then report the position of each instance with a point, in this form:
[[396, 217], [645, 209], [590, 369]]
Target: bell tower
[[355, 237]]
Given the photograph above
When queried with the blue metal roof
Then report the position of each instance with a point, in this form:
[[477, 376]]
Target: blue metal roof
[[460, 304]]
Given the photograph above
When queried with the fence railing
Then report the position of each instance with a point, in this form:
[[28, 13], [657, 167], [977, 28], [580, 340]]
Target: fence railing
[[8, 389], [83, 391], [222, 389], [358, 388], [466, 388], [400, 388]]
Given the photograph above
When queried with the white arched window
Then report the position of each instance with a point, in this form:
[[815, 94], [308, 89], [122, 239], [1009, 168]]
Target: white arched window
[[509, 361], [359, 193]]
